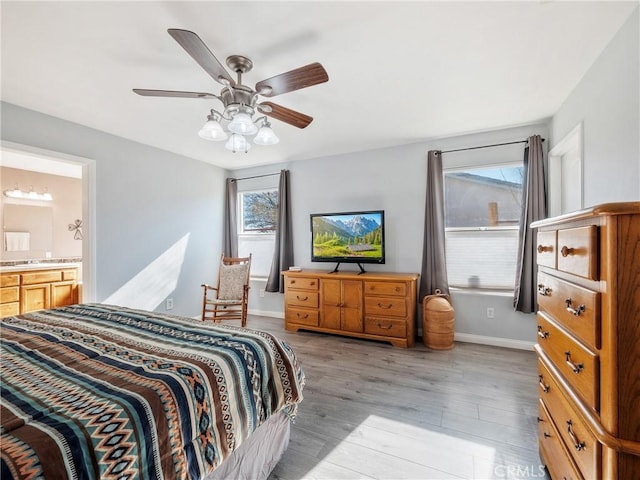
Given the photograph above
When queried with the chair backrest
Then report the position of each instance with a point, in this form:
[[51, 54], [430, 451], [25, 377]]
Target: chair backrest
[[233, 277]]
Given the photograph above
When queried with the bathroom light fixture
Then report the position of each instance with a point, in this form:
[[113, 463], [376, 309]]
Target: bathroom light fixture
[[30, 195]]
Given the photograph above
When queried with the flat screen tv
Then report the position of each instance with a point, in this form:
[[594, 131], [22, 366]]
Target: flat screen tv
[[348, 237]]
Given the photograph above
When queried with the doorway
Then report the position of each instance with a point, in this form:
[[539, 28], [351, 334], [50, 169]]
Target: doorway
[[565, 174], [24, 157]]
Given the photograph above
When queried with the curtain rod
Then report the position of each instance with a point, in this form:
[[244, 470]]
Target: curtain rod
[[485, 146], [257, 176]]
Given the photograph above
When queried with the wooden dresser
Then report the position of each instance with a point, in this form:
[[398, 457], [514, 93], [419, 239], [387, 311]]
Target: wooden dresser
[[23, 291], [589, 343], [377, 306]]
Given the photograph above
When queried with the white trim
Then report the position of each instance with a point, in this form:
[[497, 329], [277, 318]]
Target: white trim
[[88, 207], [494, 341], [573, 141], [266, 313]]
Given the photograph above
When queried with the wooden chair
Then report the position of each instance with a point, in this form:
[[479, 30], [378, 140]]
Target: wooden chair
[[228, 300]]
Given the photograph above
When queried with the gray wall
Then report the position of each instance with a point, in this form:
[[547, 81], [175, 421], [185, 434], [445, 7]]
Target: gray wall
[[394, 179], [607, 102], [157, 214]]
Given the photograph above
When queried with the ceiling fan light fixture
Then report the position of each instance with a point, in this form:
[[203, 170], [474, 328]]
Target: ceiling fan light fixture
[[266, 136], [212, 130], [242, 124], [237, 143]]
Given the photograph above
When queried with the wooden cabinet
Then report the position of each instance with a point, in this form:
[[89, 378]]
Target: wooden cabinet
[[589, 342], [30, 290], [377, 306]]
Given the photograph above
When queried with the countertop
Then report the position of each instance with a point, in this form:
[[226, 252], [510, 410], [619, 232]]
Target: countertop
[[38, 266]]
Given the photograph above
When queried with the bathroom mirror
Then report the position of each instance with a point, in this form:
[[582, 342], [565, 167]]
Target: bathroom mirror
[[35, 220]]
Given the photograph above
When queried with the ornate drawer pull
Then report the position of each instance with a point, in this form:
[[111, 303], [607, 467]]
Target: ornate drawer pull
[[566, 251], [545, 388], [574, 311], [387, 306], [575, 367], [547, 435], [541, 333], [302, 299], [306, 315], [385, 328], [542, 290], [576, 443], [539, 419], [544, 248]]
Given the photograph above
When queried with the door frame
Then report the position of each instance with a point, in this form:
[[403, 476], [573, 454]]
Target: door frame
[[572, 142], [88, 207]]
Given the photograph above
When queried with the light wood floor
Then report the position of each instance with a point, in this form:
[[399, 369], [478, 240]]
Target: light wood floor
[[371, 410]]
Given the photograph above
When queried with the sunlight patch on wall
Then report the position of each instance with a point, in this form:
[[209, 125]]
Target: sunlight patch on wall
[[155, 282]]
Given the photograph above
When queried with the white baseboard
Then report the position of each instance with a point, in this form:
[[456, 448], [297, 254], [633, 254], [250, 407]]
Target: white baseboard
[[266, 313], [494, 341]]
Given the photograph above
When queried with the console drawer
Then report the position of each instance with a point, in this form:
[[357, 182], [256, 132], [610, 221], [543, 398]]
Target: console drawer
[[302, 283], [385, 306], [302, 298], [386, 288], [9, 279], [302, 316], [41, 277], [578, 365], [388, 327], [578, 251], [574, 307]]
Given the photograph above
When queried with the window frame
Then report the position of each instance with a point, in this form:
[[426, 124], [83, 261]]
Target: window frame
[[487, 228]]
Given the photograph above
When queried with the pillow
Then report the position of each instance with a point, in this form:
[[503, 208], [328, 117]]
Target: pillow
[[232, 279]]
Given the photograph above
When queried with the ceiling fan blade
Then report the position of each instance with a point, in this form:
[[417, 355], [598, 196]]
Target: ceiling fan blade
[[286, 115], [302, 77], [172, 93], [201, 54]]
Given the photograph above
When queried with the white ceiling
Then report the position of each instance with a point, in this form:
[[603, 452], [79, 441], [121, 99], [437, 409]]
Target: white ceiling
[[399, 72]]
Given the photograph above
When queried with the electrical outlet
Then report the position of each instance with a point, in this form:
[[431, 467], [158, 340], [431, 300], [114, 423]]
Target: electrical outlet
[[262, 292], [490, 312], [169, 304]]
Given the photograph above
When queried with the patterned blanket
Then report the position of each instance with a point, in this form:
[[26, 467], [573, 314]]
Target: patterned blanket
[[99, 392]]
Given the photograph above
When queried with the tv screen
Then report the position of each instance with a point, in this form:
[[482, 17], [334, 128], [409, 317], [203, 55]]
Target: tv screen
[[353, 237]]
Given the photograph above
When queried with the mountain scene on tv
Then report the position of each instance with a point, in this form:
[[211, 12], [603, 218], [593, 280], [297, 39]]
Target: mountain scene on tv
[[347, 236]]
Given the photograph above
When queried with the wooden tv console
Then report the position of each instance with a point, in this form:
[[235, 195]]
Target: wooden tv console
[[376, 306]]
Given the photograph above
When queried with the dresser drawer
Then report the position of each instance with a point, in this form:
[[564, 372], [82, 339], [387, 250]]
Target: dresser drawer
[[574, 307], [578, 251], [388, 327], [558, 461], [71, 274], [580, 443], [302, 298], [385, 288], [579, 366], [9, 294], [546, 249], [303, 283], [385, 306], [9, 279], [302, 316]]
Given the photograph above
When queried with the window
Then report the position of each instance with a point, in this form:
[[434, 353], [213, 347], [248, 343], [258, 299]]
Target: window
[[257, 227], [482, 215]]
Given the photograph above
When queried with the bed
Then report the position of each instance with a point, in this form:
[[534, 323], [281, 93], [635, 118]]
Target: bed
[[94, 391]]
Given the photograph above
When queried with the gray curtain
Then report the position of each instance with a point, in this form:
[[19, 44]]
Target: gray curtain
[[283, 251], [534, 207], [434, 266], [231, 218]]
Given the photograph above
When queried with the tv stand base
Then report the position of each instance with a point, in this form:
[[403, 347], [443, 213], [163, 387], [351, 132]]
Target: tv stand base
[[362, 270]]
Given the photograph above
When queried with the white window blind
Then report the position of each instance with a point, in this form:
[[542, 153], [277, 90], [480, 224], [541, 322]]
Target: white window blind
[[482, 212]]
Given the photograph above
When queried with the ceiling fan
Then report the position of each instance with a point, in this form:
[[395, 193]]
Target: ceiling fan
[[240, 102]]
